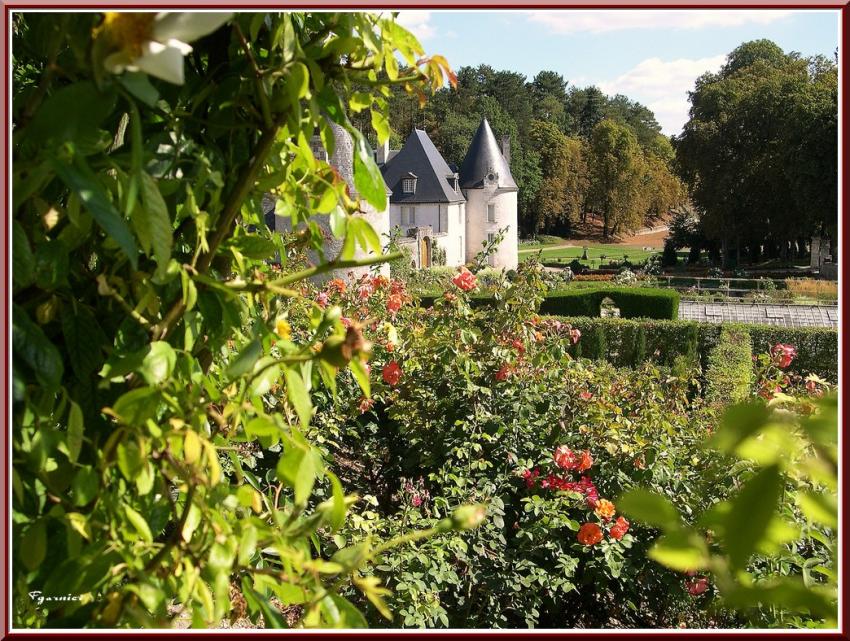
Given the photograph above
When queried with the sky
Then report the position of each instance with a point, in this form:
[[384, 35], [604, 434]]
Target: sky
[[652, 56]]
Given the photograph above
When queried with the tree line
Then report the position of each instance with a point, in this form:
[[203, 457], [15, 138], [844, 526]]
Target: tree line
[[760, 154], [574, 150]]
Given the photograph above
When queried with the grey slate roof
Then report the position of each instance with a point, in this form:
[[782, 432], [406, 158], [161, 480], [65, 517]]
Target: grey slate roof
[[420, 157], [484, 156], [770, 314]]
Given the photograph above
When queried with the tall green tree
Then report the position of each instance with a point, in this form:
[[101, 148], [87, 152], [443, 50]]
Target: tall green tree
[[759, 150]]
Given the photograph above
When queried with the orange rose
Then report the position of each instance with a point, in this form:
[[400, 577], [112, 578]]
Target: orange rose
[[589, 534], [605, 509]]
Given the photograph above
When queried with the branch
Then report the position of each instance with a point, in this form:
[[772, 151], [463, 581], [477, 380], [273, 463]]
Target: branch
[[332, 265]]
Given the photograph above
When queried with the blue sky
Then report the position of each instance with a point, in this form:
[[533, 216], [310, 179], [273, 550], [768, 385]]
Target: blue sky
[[652, 56]]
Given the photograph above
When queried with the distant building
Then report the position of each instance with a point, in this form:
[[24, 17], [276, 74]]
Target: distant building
[[438, 210], [435, 206]]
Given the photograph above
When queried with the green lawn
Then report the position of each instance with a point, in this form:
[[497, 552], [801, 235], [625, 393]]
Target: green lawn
[[595, 253]]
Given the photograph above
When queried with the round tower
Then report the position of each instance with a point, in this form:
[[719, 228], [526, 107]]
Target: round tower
[[491, 198], [343, 161]]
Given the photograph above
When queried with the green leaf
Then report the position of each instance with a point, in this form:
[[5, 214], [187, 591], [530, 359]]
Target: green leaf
[[650, 508], [296, 392], [365, 234], [71, 113], [84, 340], [680, 550], [299, 467], [336, 516], [84, 183], [381, 125], [368, 179], [359, 101], [349, 616], [138, 84], [361, 375], [155, 218], [158, 363], [130, 459], [30, 345], [23, 263], [739, 423], [137, 406], [85, 486], [139, 524], [253, 246], [820, 507], [245, 361], [750, 515], [33, 545], [74, 438]]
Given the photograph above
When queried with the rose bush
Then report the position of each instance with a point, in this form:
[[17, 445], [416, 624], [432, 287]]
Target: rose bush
[[490, 406]]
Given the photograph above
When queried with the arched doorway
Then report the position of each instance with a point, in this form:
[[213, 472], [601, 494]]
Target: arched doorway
[[425, 252]]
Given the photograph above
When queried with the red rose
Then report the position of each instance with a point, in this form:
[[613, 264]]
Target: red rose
[[565, 458], [530, 477], [394, 303], [696, 585], [503, 373], [589, 534], [465, 280], [391, 373], [586, 461], [365, 291], [783, 354], [586, 396], [518, 345], [619, 529]]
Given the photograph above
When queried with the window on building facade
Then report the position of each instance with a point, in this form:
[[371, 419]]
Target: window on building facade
[[408, 185], [491, 213], [408, 215]]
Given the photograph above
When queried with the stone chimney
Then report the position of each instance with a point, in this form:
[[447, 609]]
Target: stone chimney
[[506, 148], [382, 153]]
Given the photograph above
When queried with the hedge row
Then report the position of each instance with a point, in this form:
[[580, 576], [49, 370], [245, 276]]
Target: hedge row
[[633, 302], [627, 342], [729, 375]]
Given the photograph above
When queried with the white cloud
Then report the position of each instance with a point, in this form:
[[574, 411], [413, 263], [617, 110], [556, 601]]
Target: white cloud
[[417, 22], [663, 86], [601, 21]]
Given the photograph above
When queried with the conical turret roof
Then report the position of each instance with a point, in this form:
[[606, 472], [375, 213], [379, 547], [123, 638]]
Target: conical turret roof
[[485, 158]]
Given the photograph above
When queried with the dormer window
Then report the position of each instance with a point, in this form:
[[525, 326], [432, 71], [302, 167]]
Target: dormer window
[[453, 181], [408, 183]]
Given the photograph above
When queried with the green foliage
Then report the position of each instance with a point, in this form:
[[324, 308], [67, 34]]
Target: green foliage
[[817, 347], [729, 375], [153, 359], [483, 395], [770, 548], [756, 184], [633, 302]]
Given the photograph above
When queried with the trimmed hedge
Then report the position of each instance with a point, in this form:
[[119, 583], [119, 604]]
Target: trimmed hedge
[[729, 375], [633, 302], [627, 342]]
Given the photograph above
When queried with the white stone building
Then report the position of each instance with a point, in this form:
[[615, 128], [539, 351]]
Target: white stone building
[[435, 209], [455, 211]]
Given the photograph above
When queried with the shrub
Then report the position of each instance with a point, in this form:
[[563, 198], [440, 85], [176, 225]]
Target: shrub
[[817, 347], [484, 399], [633, 302], [669, 258], [729, 376]]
